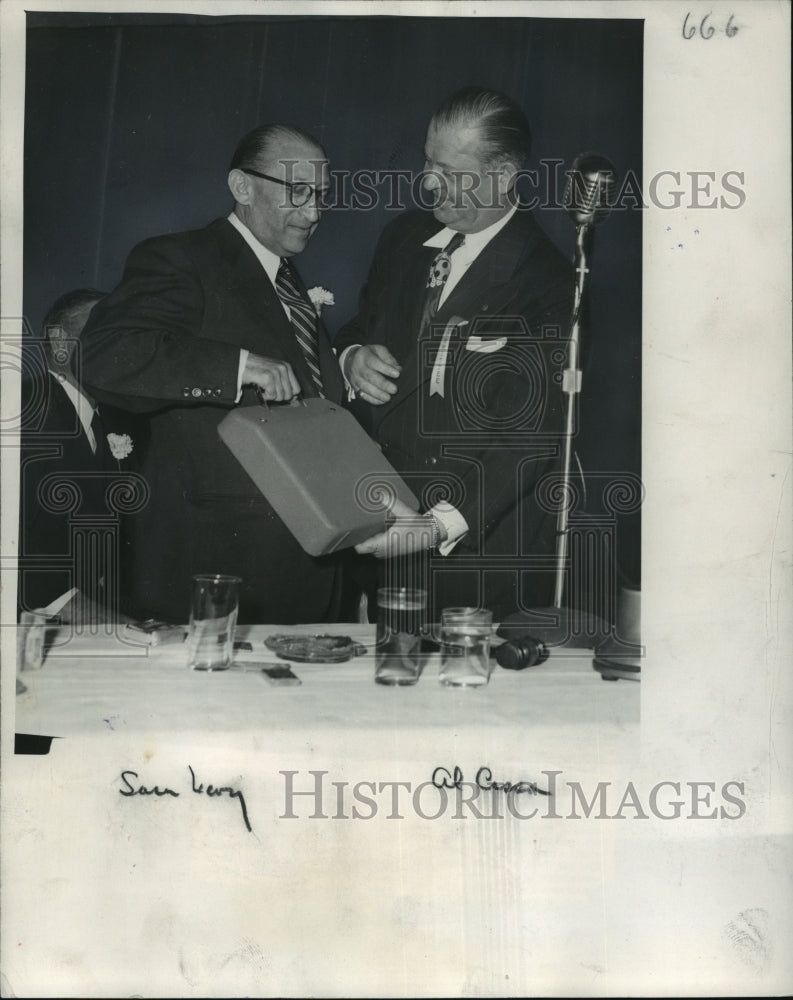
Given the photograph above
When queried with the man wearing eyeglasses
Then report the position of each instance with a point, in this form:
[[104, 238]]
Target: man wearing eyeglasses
[[203, 321]]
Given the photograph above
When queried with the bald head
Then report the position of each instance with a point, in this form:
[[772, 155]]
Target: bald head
[[268, 142]]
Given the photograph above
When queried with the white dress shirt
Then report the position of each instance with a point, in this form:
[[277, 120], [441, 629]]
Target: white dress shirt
[[269, 261], [464, 256]]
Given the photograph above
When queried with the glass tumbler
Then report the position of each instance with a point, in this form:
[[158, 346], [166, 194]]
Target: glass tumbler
[[465, 646], [401, 627]]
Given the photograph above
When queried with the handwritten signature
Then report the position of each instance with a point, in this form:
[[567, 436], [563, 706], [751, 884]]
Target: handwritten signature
[[197, 787], [442, 777]]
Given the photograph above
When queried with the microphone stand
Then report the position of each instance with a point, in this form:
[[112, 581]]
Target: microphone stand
[[571, 386], [587, 202], [554, 625]]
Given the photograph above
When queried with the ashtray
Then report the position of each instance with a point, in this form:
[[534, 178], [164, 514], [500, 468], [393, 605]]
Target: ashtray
[[314, 648]]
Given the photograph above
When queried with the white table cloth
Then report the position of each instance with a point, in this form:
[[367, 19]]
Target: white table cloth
[[101, 684], [349, 872]]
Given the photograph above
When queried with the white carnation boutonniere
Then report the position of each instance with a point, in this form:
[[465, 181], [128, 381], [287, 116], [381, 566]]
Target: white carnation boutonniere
[[321, 297], [120, 446]]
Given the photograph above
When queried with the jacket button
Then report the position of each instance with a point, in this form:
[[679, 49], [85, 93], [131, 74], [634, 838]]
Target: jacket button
[[218, 392], [186, 390], [196, 393], [207, 392], [432, 460]]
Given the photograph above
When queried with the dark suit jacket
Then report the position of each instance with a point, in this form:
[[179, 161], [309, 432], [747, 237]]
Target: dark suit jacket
[[167, 341], [496, 430], [63, 485]]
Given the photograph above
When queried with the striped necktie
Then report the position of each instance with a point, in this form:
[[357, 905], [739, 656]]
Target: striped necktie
[[96, 431], [304, 320]]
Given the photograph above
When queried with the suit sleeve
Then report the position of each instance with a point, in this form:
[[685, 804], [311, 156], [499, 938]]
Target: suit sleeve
[[142, 348]]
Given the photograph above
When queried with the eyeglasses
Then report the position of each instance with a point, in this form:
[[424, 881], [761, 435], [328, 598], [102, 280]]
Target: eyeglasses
[[299, 194]]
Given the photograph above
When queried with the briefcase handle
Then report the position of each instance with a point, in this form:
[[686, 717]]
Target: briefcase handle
[[294, 401]]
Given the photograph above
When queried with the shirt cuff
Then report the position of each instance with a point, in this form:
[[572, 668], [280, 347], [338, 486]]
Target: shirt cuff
[[243, 361], [454, 524], [342, 361]]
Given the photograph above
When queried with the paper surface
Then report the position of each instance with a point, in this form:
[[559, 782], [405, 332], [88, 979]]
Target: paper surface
[[103, 896]]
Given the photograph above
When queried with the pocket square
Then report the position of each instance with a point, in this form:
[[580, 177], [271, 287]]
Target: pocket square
[[487, 346]]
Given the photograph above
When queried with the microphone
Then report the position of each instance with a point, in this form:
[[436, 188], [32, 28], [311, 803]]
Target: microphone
[[590, 185], [521, 652]]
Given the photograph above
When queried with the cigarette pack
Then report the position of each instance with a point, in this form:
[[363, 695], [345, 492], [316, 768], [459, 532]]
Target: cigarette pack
[[154, 633]]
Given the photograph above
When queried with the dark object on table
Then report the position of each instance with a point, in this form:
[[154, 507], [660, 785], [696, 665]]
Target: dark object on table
[[281, 676], [154, 633], [520, 653], [314, 648], [617, 650], [569, 627]]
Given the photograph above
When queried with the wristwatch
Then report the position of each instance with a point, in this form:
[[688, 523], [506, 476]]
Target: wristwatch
[[437, 532]]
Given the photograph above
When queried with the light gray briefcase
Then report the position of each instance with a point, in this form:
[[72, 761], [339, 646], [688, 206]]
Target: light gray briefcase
[[324, 476]]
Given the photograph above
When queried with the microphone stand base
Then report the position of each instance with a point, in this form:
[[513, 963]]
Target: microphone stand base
[[570, 628], [613, 670]]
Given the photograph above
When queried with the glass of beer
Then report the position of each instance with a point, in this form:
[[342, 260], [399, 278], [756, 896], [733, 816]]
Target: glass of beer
[[401, 628]]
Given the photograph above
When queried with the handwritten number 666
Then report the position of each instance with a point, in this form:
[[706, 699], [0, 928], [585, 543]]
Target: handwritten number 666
[[707, 30]]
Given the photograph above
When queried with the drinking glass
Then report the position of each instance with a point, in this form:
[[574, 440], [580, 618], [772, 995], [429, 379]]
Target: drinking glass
[[465, 646], [401, 627], [213, 618]]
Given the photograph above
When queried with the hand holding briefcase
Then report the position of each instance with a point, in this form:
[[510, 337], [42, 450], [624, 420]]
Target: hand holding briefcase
[[324, 476]]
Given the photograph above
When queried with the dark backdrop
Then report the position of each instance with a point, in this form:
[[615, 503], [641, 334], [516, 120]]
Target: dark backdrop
[[131, 121]]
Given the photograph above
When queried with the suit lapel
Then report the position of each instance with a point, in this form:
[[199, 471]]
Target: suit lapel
[[269, 321], [418, 280], [482, 291], [482, 288], [62, 411], [412, 259]]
